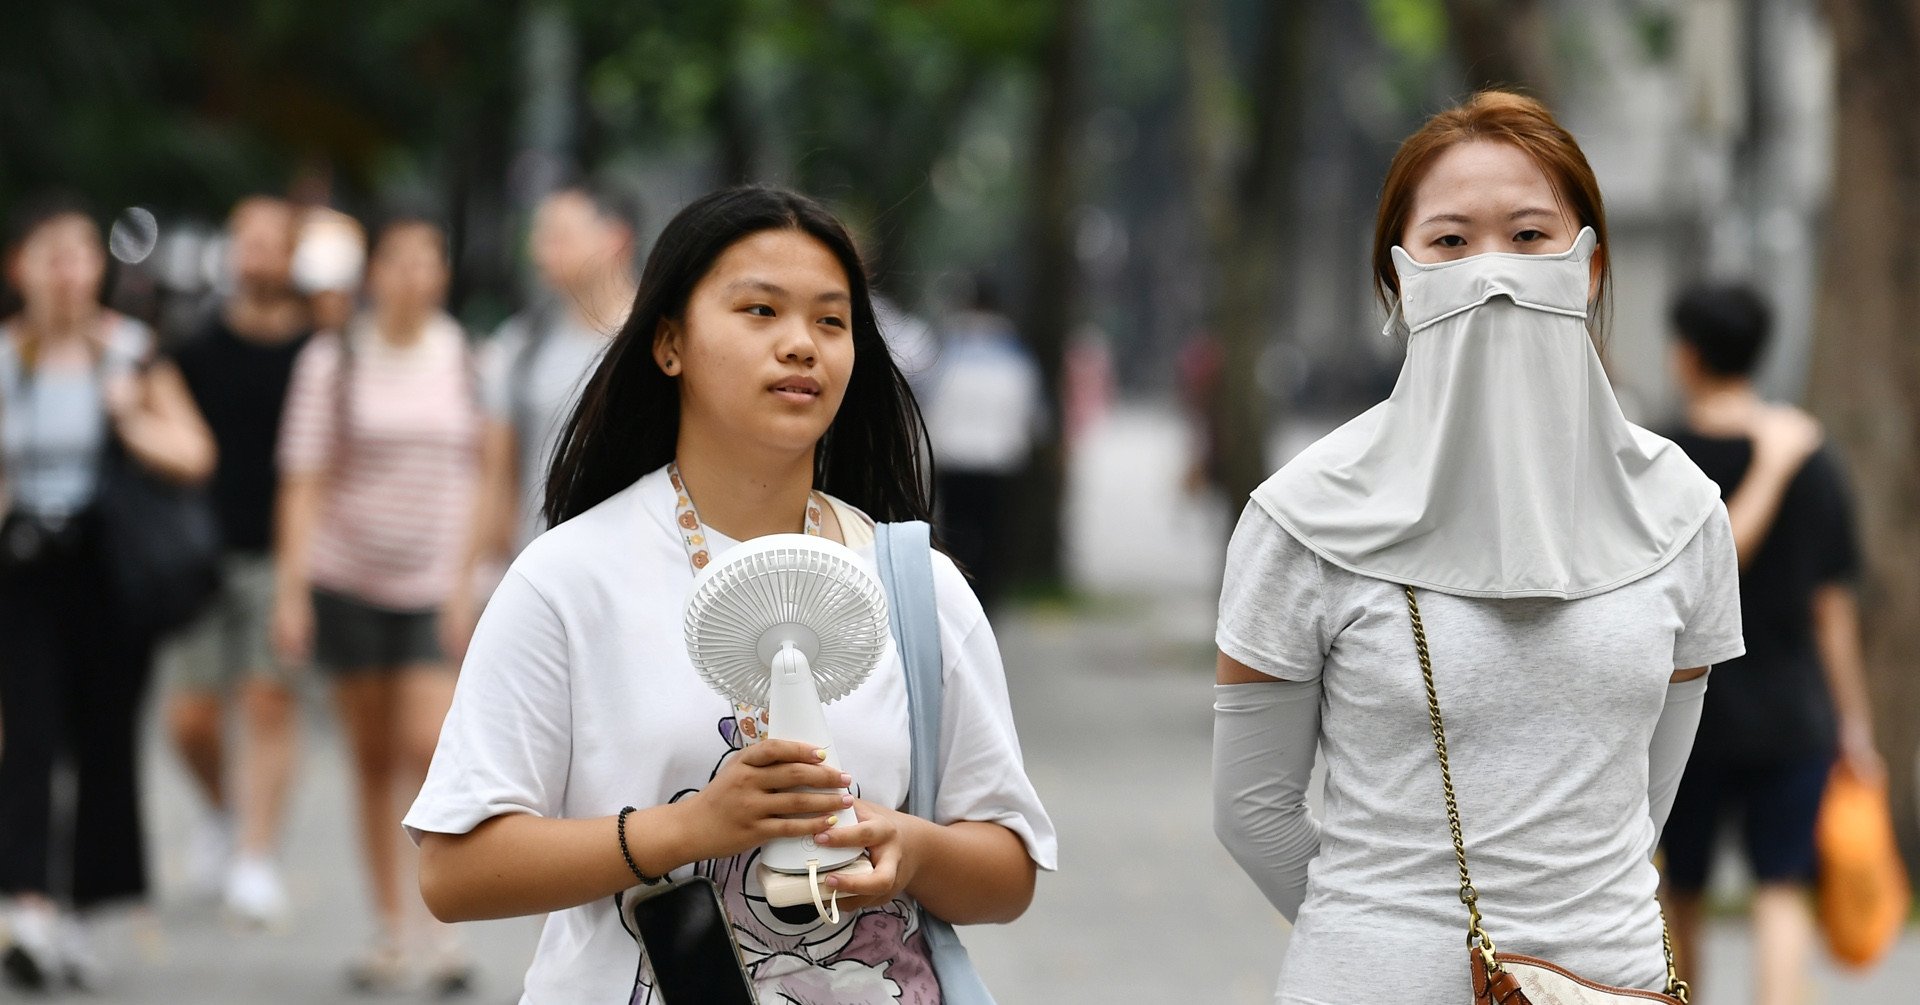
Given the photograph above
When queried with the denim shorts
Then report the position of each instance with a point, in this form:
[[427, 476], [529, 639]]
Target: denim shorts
[[353, 636]]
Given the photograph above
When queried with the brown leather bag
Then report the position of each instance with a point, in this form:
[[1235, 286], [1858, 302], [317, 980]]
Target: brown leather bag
[[1506, 978]]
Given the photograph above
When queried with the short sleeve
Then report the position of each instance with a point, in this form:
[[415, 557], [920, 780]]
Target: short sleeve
[[129, 345], [1711, 632], [506, 742], [1838, 558], [982, 773], [307, 426], [1275, 612], [496, 368]]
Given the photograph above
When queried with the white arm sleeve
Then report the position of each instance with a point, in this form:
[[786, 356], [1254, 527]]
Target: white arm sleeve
[[1672, 743], [1264, 738]]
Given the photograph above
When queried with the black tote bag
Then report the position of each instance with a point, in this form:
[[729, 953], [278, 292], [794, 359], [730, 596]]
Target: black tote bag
[[160, 542]]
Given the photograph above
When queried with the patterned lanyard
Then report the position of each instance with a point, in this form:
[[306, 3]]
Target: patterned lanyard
[[752, 719]]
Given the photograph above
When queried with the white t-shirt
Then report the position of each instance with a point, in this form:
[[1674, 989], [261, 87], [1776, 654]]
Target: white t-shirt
[[985, 404], [1550, 707], [577, 698]]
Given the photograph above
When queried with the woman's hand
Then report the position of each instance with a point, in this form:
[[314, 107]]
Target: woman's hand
[[887, 836], [1784, 437], [292, 626], [745, 805]]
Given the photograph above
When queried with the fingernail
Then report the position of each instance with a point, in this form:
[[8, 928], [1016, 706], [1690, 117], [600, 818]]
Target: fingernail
[[833, 820], [833, 881], [819, 755], [846, 779], [847, 799]]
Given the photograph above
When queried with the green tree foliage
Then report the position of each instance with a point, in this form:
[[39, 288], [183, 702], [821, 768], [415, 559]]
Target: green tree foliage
[[187, 106], [850, 99]]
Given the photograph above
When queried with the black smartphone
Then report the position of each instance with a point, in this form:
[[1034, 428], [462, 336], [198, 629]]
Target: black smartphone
[[686, 935]]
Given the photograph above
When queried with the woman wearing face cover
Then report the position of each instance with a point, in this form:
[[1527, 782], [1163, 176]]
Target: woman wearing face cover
[[748, 393], [1574, 576], [76, 381], [379, 460]]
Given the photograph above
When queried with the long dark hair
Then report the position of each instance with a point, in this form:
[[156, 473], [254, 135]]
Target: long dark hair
[[628, 420]]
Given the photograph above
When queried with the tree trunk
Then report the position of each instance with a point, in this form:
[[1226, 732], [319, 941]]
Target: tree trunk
[[1502, 43], [1865, 383], [1052, 291], [1245, 203]]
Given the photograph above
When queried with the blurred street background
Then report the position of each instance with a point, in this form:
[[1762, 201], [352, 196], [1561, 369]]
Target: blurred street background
[[1172, 203]]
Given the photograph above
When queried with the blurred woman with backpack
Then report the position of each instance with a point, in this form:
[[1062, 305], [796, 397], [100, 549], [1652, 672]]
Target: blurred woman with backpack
[[378, 459]]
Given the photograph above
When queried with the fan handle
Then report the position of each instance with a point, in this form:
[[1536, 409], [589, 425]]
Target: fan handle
[[794, 712]]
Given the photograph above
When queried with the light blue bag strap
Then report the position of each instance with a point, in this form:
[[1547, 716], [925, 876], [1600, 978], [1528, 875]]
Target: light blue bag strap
[[904, 553]]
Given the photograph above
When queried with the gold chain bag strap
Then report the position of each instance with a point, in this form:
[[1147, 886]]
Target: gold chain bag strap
[[1507, 978]]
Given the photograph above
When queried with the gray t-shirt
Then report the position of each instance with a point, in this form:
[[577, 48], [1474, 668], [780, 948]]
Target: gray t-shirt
[[536, 395], [53, 422], [1549, 707]]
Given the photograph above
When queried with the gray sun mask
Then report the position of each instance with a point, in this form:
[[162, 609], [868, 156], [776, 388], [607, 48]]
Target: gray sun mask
[[1501, 466]]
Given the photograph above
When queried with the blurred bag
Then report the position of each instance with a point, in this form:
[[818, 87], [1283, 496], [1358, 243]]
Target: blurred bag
[[160, 542], [1862, 887], [26, 538]]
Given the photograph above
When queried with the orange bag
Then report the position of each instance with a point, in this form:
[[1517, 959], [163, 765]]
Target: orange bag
[[1863, 892]]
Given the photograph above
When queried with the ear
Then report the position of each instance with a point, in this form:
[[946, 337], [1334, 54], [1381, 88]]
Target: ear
[[667, 347]]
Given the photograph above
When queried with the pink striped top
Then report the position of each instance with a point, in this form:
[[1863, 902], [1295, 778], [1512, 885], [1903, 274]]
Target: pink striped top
[[400, 483]]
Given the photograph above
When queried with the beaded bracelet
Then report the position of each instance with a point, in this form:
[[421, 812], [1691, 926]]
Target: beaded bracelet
[[621, 829]]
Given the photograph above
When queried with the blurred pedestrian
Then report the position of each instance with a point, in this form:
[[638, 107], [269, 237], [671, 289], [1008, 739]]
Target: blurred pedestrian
[[1774, 724], [76, 382], [378, 464], [237, 367], [752, 382], [1201, 369], [531, 374], [1493, 562], [985, 409], [1089, 383], [329, 257], [910, 339]]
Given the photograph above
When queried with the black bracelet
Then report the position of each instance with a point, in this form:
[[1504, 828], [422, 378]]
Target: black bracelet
[[621, 828]]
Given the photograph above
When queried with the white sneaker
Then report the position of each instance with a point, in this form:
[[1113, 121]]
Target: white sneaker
[[255, 896], [32, 959], [85, 968], [381, 969], [210, 855], [450, 971]]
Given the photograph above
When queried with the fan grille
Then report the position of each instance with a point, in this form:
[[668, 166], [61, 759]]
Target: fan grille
[[751, 598]]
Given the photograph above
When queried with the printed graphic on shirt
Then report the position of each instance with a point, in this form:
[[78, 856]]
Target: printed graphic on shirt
[[876, 956]]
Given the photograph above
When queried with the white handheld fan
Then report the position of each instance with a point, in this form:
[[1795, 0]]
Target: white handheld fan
[[790, 622]]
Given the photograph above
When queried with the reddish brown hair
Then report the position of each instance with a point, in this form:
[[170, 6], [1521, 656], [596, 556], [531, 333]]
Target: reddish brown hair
[[1489, 115]]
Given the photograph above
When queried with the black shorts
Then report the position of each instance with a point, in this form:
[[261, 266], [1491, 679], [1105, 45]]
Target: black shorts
[[1776, 806], [351, 635]]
